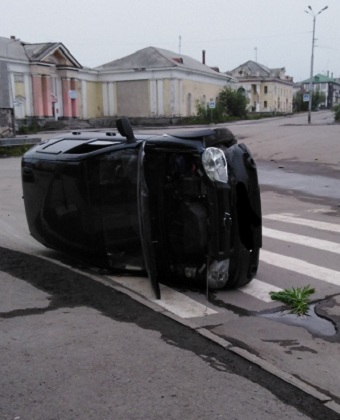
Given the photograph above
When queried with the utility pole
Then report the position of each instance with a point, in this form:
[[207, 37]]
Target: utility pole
[[310, 12]]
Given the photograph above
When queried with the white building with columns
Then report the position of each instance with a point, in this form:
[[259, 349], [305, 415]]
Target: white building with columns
[[154, 82], [45, 81]]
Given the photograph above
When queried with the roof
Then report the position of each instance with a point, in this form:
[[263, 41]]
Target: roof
[[41, 51], [320, 78], [12, 49], [253, 69], [157, 58], [15, 49]]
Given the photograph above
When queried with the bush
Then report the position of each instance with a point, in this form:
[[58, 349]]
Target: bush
[[12, 151], [233, 103], [205, 115], [31, 127], [336, 110]]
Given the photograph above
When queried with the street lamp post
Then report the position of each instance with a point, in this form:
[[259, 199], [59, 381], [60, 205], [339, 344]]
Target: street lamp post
[[310, 12]]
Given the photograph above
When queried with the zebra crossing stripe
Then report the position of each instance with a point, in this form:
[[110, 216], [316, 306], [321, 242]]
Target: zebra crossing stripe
[[302, 240], [301, 267], [332, 227], [171, 300], [260, 290]]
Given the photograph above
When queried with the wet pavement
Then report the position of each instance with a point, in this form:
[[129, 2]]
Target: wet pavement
[[307, 348], [73, 347], [311, 321], [282, 176]]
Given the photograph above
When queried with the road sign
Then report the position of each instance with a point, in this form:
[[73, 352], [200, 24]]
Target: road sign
[[212, 104], [305, 97]]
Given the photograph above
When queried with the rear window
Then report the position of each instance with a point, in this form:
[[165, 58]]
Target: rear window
[[61, 146], [76, 146]]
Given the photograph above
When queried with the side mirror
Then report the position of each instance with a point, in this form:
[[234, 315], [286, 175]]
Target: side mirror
[[125, 129]]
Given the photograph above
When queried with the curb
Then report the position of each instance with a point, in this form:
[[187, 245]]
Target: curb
[[10, 142]]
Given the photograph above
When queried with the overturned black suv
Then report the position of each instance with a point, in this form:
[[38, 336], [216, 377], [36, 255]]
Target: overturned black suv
[[179, 206]]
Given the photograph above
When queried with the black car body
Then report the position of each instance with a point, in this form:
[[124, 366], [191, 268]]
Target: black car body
[[183, 206]]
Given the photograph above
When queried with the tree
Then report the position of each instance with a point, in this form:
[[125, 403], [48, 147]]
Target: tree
[[299, 105], [232, 102], [317, 99], [336, 110]]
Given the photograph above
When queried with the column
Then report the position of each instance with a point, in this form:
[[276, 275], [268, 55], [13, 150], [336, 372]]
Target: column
[[37, 96], [160, 98], [66, 98], [46, 96], [112, 99], [84, 98], [28, 95], [153, 97], [74, 98]]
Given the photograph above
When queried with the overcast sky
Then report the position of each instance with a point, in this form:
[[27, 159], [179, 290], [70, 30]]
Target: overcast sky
[[276, 33]]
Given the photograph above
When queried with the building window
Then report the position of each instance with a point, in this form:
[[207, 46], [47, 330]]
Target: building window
[[266, 89], [265, 104], [18, 77]]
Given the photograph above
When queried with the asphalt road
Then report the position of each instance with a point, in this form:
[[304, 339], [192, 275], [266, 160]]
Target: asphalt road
[[72, 346]]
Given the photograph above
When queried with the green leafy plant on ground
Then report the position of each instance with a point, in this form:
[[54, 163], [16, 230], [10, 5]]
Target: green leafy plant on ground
[[297, 299]]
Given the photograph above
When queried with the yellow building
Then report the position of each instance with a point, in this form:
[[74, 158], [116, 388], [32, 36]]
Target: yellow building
[[267, 90], [154, 82]]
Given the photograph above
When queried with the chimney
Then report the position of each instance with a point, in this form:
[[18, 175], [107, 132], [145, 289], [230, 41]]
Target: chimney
[[203, 56], [327, 73], [13, 37]]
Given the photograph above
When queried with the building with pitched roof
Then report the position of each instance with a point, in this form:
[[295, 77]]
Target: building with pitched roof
[[329, 86], [163, 83], [267, 89], [45, 81]]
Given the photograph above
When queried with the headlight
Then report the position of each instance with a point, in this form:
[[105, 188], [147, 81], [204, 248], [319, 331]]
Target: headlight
[[215, 164]]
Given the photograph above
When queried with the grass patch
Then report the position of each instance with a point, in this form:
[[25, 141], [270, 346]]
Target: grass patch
[[296, 298], [11, 151]]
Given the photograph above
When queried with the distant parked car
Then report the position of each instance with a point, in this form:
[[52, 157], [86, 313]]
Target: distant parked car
[[183, 206]]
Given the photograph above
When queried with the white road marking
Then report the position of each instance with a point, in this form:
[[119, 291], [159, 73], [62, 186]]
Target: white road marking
[[332, 227], [171, 300], [260, 290], [185, 307], [302, 267], [302, 240]]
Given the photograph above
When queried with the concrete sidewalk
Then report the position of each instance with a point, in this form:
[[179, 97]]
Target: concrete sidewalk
[[297, 361]]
